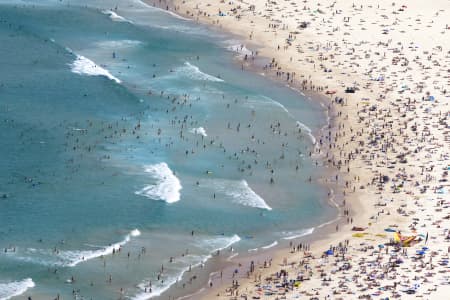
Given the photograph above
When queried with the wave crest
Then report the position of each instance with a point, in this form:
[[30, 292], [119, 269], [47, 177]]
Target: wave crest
[[193, 72], [13, 289], [240, 192], [167, 186], [115, 17], [71, 258], [84, 66], [298, 234]]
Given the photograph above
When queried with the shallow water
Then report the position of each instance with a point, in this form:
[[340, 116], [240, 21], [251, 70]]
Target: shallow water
[[131, 129]]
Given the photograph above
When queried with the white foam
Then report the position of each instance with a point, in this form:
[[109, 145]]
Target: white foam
[[199, 130], [240, 49], [193, 72], [115, 17], [270, 246], [119, 44], [329, 222], [239, 191], [167, 186], [219, 243], [299, 235], [232, 256], [299, 124], [9, 290], [308, 131], [135, 232], [211, 245], [244, 195], [71, 258], [84, 66]]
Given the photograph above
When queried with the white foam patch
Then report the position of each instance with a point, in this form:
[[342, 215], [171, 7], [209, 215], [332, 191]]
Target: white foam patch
[[119, 44], [240, 49], [240, 192], [270, 246], [167, 186], [193, 72], [115, 17], [189, 261], [177, 28], [295, 235], [12, 289], [71, 258], [232, 256], [85, 66], [199, 130], [219, 243]]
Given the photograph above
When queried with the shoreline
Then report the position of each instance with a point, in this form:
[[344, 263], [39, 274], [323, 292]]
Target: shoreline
[[373, 192], [322, 233]]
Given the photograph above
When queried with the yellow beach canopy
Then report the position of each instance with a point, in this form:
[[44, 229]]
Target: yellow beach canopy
[[397, 237], [359, 234]]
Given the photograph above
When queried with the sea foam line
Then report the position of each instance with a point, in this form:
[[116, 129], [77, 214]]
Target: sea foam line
[[246, 196], [71, 258], [240, 192], [119, 44], [193, 72], [308, 131], [301, 234], [270, 246], [16, 288], [213, 246], [115, 17], [84, 66], [76, 257], [167, 186]]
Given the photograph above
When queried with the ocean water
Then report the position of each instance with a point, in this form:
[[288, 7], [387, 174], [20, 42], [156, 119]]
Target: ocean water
[[131, 128]]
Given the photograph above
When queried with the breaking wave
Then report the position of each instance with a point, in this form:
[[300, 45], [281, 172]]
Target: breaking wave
[[9, 290], [85, 66], [167, 186]]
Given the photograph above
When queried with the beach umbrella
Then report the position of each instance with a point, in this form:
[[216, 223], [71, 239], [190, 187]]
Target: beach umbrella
[[381, 246]]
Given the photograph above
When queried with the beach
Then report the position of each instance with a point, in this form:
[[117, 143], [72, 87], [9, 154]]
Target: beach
[[224, 150], [384, 66]]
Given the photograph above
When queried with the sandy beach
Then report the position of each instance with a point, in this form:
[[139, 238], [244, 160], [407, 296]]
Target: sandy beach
[[384, 66]]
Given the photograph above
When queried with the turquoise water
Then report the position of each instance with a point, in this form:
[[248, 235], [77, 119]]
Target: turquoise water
[[133, 130]]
